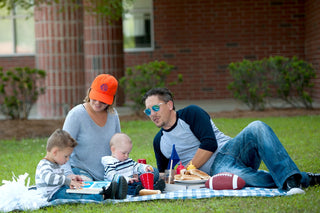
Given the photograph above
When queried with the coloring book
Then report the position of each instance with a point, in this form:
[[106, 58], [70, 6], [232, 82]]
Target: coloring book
[[90, 187]]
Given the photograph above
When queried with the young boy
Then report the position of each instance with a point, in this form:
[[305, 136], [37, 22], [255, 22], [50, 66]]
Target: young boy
[[50, 178], [120, 165]]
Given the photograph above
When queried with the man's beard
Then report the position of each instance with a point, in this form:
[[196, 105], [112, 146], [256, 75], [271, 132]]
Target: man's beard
[[160, 125]]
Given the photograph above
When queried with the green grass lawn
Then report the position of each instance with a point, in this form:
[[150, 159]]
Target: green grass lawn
[[300, 136]]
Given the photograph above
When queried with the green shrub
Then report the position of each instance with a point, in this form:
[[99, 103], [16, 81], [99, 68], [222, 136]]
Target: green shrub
[[250, 83], [290, 78], [141, 78], [19, 89]]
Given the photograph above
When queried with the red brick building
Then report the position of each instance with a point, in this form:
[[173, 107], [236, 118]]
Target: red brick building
[[199, 37]]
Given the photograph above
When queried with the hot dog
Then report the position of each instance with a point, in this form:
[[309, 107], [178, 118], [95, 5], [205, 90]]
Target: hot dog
[[148, 192], [192, 174]]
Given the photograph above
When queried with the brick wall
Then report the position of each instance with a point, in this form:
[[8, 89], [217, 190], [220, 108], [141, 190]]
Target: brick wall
[[73, 47], [59, 42], [103, 49], [17, 61], [202, 37], [313, 40]]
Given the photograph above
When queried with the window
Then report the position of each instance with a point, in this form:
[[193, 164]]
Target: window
[[138, 26], [18, 35], [17, 32]]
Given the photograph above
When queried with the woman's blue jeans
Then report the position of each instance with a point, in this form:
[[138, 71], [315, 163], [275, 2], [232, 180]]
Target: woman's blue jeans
[[243, 154]]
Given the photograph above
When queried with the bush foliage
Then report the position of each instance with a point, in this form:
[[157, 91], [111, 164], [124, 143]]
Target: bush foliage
[[292, 80], [250, 84], [141, 78], [289, 78], [20, 89]]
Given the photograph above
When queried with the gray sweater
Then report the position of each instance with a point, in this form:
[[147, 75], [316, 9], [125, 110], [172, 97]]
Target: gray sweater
[[93, 141]]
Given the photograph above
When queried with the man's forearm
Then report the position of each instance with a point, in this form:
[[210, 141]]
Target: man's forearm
[[201, 157]]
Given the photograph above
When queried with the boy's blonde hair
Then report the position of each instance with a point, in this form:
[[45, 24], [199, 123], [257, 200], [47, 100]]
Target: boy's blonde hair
[[61, 139], [117, 139]]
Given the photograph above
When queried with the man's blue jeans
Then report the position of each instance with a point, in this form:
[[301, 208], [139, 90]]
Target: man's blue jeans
[[242, 156]]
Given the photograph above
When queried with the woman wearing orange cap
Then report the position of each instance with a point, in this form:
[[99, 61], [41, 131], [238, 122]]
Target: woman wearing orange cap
[[92, 124]]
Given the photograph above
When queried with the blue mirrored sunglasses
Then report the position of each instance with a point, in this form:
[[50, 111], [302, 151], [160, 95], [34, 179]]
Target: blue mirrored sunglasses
[[155, 108]]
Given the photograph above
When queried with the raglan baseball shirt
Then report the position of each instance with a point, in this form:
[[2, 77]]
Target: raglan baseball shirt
[[193, 129]]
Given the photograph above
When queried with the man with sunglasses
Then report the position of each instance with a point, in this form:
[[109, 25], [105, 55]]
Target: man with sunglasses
[[199, 141]]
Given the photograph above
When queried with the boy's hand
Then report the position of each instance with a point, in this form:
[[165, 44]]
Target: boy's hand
[[135, 176], [132, 180], [75, 177], [149, 169], [75, 184]]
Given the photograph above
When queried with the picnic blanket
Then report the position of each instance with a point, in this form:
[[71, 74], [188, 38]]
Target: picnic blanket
[[188, 194], [14, 195]]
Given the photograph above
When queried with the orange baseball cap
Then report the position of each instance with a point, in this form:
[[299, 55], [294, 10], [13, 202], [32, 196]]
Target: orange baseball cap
[[104, 88]]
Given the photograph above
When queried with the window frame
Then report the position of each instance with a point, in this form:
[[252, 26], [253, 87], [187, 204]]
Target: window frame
[[12, 17], [143, 49]]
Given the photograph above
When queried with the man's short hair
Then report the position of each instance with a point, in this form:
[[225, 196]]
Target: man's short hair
[[163, 94]]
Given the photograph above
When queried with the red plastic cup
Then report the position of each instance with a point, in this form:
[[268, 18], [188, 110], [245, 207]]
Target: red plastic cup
[[142, 161], [147, 180]]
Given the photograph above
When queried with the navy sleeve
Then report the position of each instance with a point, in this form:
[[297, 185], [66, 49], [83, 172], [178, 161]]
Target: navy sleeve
[[162, 161], [200, 124]]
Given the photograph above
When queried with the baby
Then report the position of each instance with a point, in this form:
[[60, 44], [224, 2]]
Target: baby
[[119, 164], [50, 178]]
